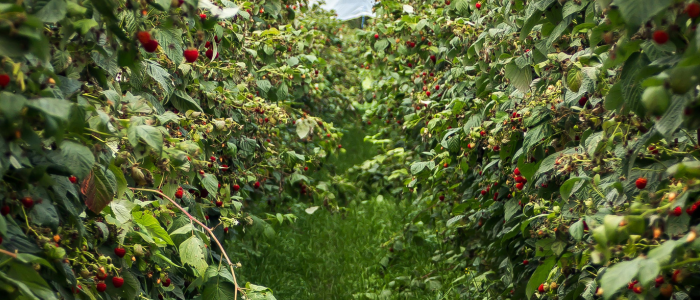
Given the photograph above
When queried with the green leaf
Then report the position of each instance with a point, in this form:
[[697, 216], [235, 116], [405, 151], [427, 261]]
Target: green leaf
[[519, 78], [53, 11], [169, 41], [56, 108], [617, 276], [540, 276], [381, 44], [84, 25], [183, 102], [264, 85], [511, 208], [637, 12], [77, 158], [152, 225], [568, 186], [614, 98], [210, 183], [574, 79], [576, 230], [648, 270], [192, 253], [148, 134]]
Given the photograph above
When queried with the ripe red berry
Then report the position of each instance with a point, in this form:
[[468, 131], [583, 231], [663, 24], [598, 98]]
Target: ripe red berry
[[676, 211], [191, 55], [120, 252], [478, 5], [659, 280], [442, 197], [73, 179], [28, 202], [376, 36], [202, 17], [5, 210], [236, 187], [117, 282], [582, 101], [637, 289], [306, 168], [210, 53], [427, 93], [444, 165], [525, 262], [201, 172], [178, 194], [340, 146], [520, 186], [144, 37], [225, 229], [150, 46], [4, 80], [256, 185], [219, 203], [433, 58], [541, 287], [101, 276], [101, 287], [437, 87], [516, 171], [212, 158], [693, 10], [660, 37], [641, 183], [482, 133], [447, 2], [166, 282]]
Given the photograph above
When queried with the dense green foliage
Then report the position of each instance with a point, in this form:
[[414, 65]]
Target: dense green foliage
[[514, 149], [552, 145]]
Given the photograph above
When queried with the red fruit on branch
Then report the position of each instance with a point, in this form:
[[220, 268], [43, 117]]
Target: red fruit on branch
[[659, 280], [27, 202], [582, 101], [202, 17], [73, 179], [541, 287], [219, 203], [632, 284], [447, 2], [641, 183], [5, 210], [427, 93], [444, 165], [256, 185], [376, 36], [191, 55], [693, 10], [151, 46], [637, 289], [442, 197], [478, 5], [201, 172], [678, 211], [101, 276], [117, 282], [660, 37], [482, 133], [516, 171], [120, 252], [144, 37], [210, 53], [526, 262], [226, 230], [4, 80], [166, 282], [236, 187], [212, 158], [520, 186], [101, 287], [178, 194]]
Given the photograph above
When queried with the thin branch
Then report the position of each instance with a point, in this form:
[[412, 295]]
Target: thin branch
[[8, 253], [223, 251]]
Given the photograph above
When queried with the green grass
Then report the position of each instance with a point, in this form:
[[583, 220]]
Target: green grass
[[336, 255], [326, 255]]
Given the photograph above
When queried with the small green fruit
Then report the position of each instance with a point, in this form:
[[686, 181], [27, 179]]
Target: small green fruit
[[682, 79], [656, 100]]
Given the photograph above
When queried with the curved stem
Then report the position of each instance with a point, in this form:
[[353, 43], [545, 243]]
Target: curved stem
[[8, 253], [211, 233]]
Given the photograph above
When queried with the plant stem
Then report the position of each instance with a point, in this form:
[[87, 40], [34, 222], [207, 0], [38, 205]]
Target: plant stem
[[213, 237]]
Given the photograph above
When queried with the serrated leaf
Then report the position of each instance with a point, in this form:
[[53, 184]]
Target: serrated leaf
[[574, 79], [539, 276], [618, 276], [637, 12], [519, 78], [148, 134], [152, 225], [97, 190]]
